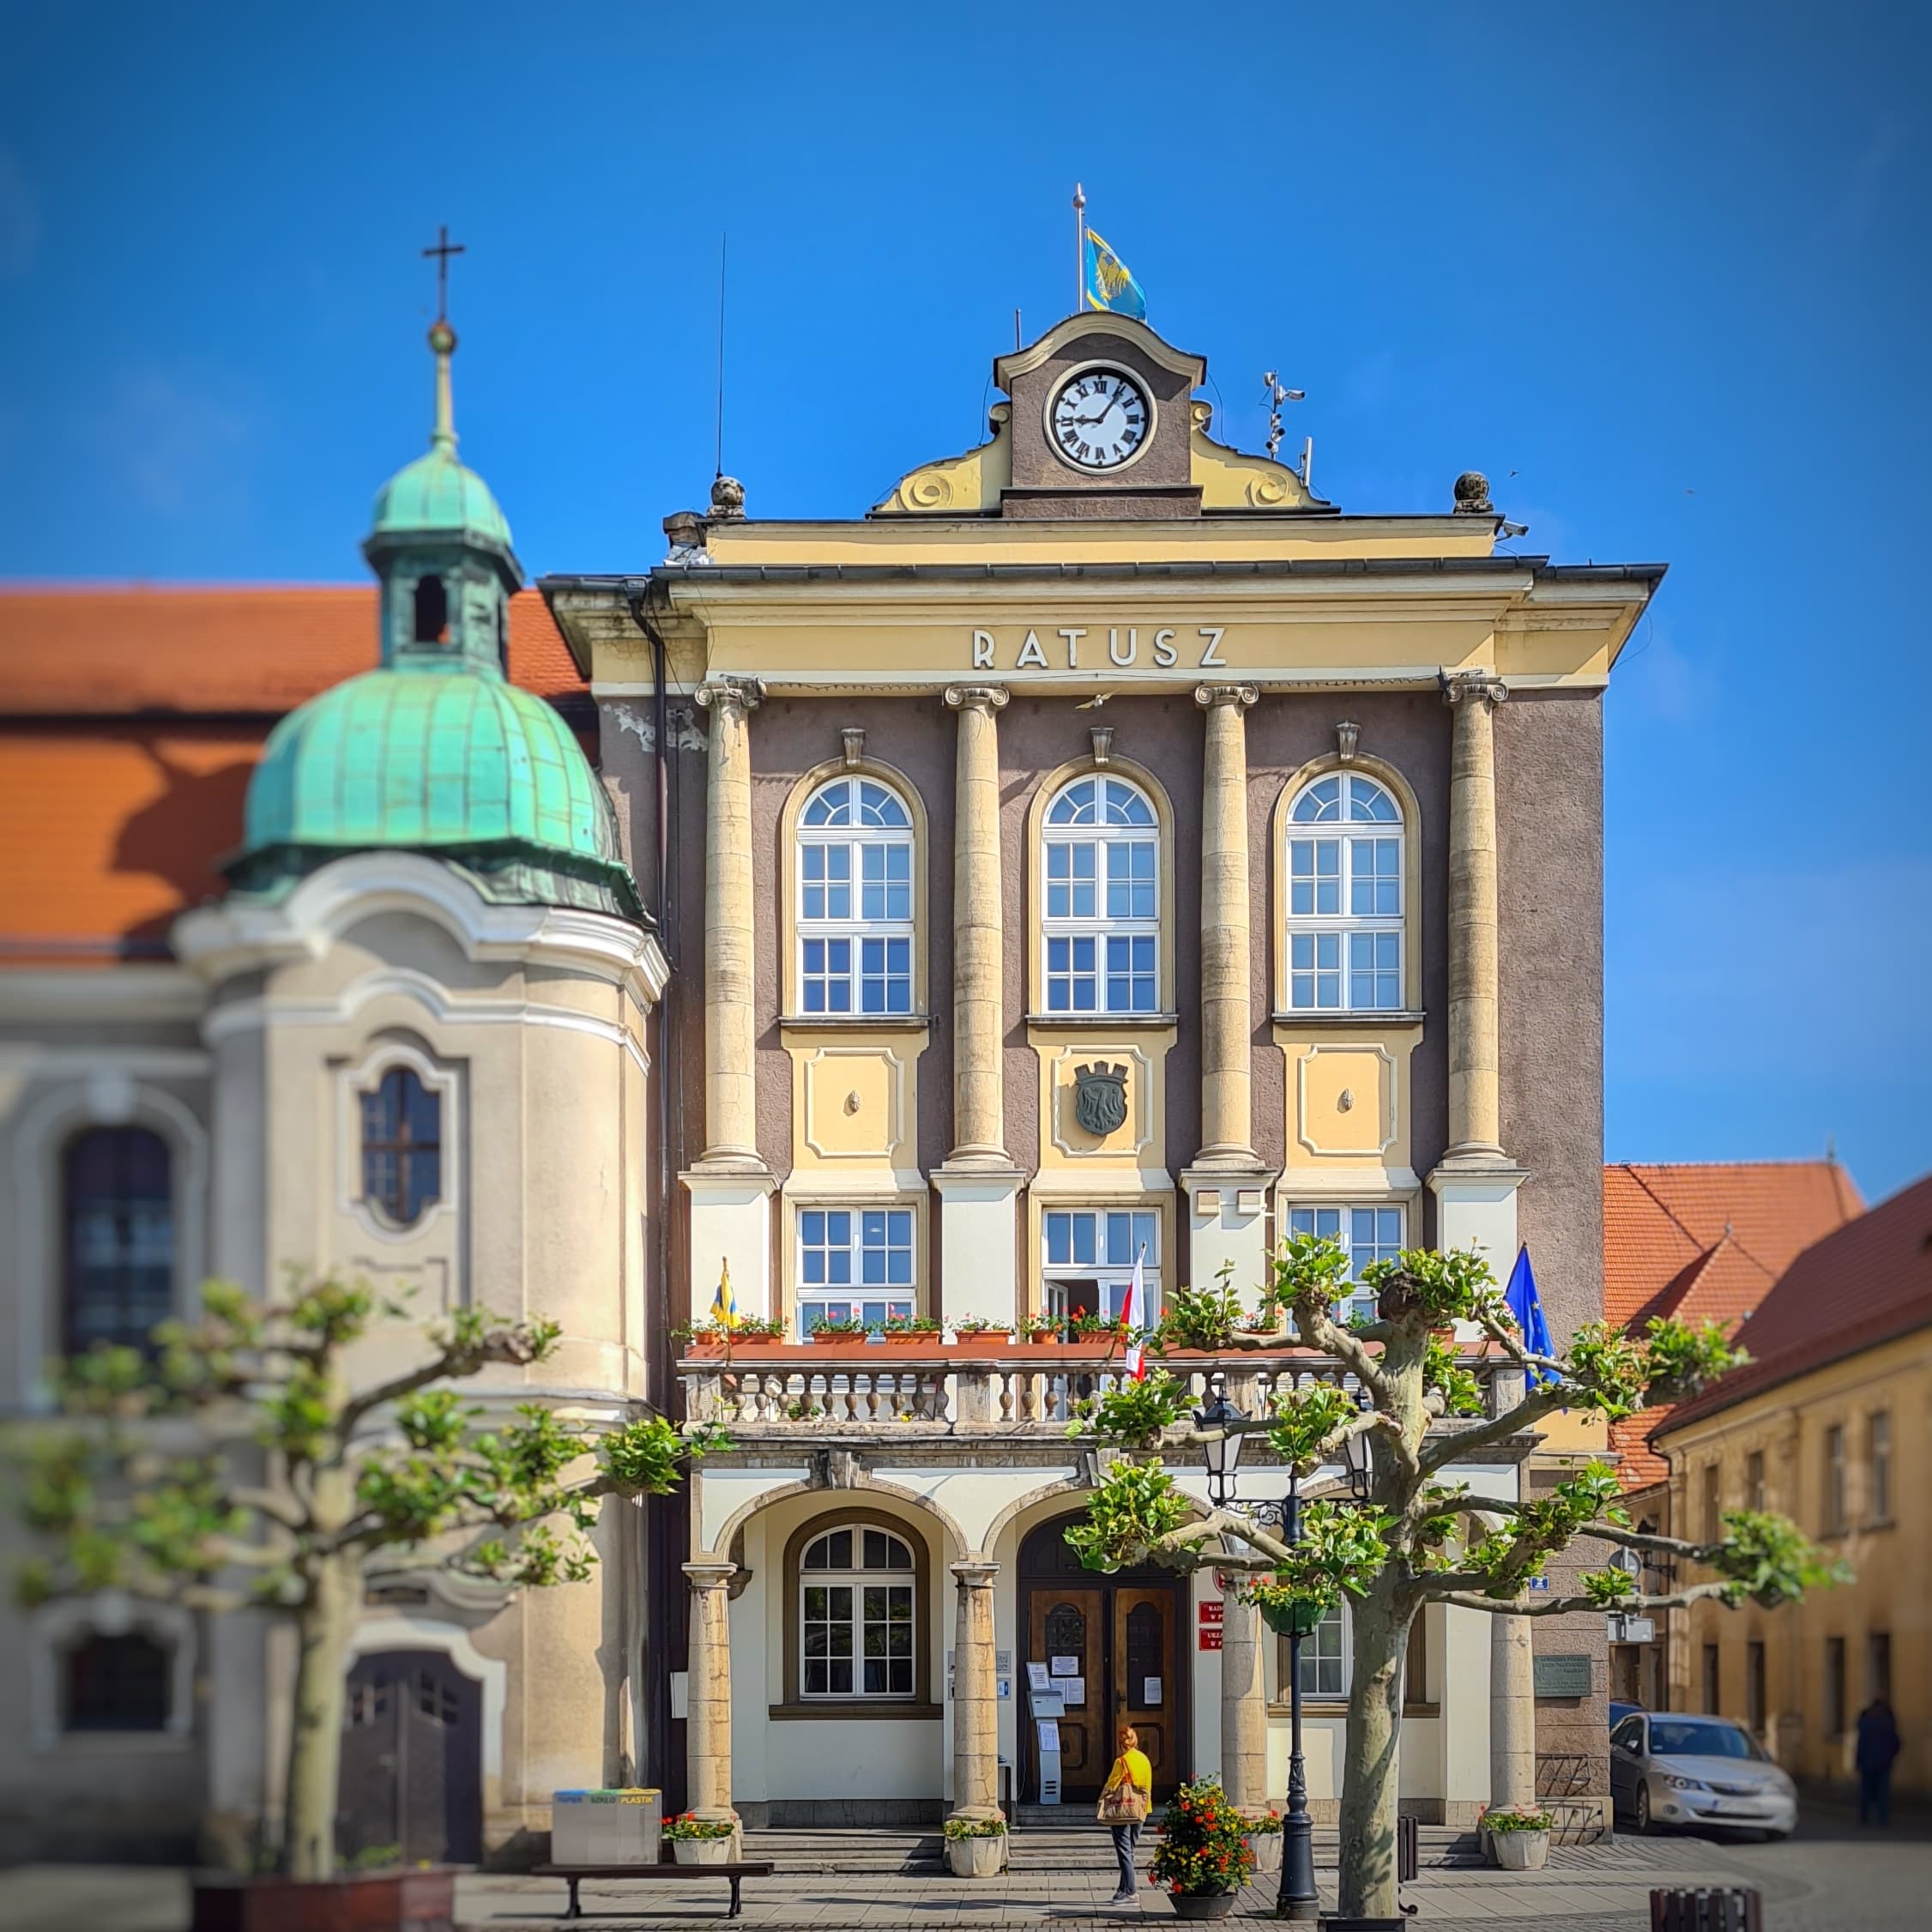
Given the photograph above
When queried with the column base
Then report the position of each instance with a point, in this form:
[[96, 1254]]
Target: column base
[[731, 1227], [978, 1239], [1228, 1221], [1474, 1194]]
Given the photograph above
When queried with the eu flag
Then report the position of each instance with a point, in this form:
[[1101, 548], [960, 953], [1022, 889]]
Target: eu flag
[[1110, 283], [1526, 1306]]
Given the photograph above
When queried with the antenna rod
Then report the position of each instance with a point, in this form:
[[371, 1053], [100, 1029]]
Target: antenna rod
[[723, 241], [1016, 328], [1308, 462]]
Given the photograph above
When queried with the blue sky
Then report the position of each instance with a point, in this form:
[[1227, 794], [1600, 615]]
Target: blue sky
[[1657, 270]]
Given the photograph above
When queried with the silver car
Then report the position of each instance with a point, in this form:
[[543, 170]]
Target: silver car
[[1706, 1772]]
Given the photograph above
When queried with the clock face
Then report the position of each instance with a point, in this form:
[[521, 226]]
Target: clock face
[[1099, 420]]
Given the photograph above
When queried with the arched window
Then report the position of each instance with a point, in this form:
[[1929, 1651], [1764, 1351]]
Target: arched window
[[116, 1683], [856, 1590], [855, 910], [1102, 928], [1344, 896], [402, 1147], [119, 1209], [432, 611]]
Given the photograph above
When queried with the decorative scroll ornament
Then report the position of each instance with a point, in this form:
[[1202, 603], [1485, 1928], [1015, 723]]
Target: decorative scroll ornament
[[1100, 1098], [1348, 735]]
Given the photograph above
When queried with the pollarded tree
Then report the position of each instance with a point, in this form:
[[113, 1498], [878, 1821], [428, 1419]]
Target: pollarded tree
[[1419, 1538], [290, 1486]]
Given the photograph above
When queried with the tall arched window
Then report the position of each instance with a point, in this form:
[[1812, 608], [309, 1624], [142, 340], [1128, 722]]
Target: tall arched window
[[855, 910], [1344, 896], [856, 1590], [402, 1147], [1102, 928], [118, 1211]]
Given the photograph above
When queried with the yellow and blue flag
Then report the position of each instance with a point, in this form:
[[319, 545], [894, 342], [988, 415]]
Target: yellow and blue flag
[[1110, 283], [724, 1303]]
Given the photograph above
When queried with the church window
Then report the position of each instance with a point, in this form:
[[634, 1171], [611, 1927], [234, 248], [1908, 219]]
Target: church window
[[115, 1683], [1089, 1261], [1102, 928], [118, 1273], [1369, 1234], [1344, 896], [856, 900], [402, 1147], [432, 611], [854, 1264], [856, 1631]]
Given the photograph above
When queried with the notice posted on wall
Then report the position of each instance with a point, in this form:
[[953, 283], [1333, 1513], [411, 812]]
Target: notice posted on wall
[[1074, 1690], [1149, 1693], [1038, 1677], [1066, 1667], [1049, 1735]]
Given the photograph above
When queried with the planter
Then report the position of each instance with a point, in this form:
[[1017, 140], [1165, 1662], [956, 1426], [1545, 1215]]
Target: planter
[[1267, 1848], [1203, 1904], [975, 1857], [820, 1339], [919, 1339], [1292, 1619], [1520, 1851], [700, 1851], [983, 1338], [397, 1901]]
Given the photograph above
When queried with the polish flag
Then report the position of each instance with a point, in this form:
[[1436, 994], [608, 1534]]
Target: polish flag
[[1135, 1314]]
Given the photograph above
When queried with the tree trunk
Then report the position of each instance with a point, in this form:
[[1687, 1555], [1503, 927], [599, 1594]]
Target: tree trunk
[[315, 1752], [1368, 1771]]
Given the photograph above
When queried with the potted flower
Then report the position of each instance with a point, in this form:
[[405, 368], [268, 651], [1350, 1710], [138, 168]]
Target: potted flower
[[978, 1332], [1204, 1860], [1287, 1609], [1041, 1329], [1517, 1837], [699, 1841], [909, 1331], [830, 1328], [1264, 1836], [1115, 1333], [976, 1847], [701, 1337]]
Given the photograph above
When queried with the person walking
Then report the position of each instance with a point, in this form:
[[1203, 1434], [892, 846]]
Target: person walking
[[1124, 1800], [1878, 1745]]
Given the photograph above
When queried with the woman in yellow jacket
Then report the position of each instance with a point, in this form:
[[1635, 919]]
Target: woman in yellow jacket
[[1124, 1800]]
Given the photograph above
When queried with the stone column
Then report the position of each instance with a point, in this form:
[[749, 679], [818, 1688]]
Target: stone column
[[976, 1711], [708, 1707], [1226, 954], [730, 1086], [1512, 1712], [1244, 1702], [1474, 1062], [979, 1127]]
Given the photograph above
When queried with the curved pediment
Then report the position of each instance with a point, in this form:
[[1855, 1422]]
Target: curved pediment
[[965, 486]]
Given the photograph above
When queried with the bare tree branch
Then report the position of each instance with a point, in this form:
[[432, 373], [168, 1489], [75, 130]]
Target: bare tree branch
[[1562, 1606], [1538, 1404]]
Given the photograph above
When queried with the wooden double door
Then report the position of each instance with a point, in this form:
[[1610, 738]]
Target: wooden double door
[[1125, 1632], [412, 1759]]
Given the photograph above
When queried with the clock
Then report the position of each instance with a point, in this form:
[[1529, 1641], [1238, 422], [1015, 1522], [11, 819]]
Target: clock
[[1098, 419]]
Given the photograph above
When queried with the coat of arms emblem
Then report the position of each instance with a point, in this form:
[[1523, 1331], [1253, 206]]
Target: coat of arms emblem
[[1100, 1098]]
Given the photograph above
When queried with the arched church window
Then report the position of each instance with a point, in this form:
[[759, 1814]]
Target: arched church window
[[432, 611], [1345, 906], [402, 1147], [856, 1590], [118, 1216], [1102, 929], [855, 903]]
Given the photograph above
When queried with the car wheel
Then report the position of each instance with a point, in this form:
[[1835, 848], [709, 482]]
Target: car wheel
[[1642, 1807]]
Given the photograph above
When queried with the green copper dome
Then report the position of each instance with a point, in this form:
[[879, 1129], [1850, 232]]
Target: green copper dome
[[438, 495], [450, 762]]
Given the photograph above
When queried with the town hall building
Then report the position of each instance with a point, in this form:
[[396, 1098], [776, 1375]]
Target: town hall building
[[1102, 853]]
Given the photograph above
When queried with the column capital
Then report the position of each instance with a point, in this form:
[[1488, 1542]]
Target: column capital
[[731, 694], [988, 698], [1244, 696], [977, 1573], [710, 1576], [1457, 685]]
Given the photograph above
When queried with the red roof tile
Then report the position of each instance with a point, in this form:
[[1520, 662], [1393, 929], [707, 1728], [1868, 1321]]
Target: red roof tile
[[1866, 1283]]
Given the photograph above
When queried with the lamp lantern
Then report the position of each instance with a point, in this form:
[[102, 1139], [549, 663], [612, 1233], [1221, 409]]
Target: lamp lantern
[[1223, 1452]]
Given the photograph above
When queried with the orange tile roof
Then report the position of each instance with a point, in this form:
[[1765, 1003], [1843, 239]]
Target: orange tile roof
[[1706, 1242], [76, 650]]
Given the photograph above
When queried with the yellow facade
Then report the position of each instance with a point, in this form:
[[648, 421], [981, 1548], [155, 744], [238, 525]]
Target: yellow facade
[[1800, 1675]]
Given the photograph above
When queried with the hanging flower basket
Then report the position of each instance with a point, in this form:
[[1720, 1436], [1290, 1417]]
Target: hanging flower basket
[[1291, 1616]]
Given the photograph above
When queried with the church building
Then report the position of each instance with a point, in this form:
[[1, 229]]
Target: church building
[[1102, 859]]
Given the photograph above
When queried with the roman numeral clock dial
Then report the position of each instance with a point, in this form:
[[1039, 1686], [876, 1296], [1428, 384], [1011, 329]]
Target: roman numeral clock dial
[[1098, 419]]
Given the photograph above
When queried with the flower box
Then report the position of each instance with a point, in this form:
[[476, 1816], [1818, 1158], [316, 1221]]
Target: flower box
[[700, 1851], [1204, 1904], [978, 1858], [1518, 1851]]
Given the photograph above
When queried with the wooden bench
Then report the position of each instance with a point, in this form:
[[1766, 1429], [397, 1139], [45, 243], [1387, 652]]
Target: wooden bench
[[573, 1875]]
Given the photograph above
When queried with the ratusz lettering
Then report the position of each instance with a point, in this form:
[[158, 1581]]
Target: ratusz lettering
[[1129, 647]]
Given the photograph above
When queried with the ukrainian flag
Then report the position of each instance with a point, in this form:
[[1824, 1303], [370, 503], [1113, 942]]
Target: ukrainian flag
[[724, 1303], [1110, 283]]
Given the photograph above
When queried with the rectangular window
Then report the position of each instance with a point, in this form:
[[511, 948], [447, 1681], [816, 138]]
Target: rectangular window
[[854, 1264], [885, 880], [1370, 1234], [1834, 1511], [1073, 985], [1090, 1255], [885, 974], [1834, 1686], [1878, 1666], [1315, 974], [1710, 1684], [827, 1633], [1753, 1687], [1754, 1480], [1323, 1658], [1130, 975], [827, 972], [1713, 1526], [1878, 1449]]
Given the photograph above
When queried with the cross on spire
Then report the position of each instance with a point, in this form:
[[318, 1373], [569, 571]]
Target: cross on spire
[[443, 250]]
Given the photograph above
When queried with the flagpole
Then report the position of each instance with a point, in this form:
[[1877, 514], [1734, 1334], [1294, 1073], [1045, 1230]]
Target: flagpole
[[1080, 249]]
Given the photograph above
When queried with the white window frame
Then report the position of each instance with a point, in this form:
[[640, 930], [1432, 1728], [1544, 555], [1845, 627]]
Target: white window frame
[[1101, 930], [854, 839], [874, 1301], [1339, 1620], [1344, 1232], [1111, 1278], [858, 1579], [1331, 939]]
